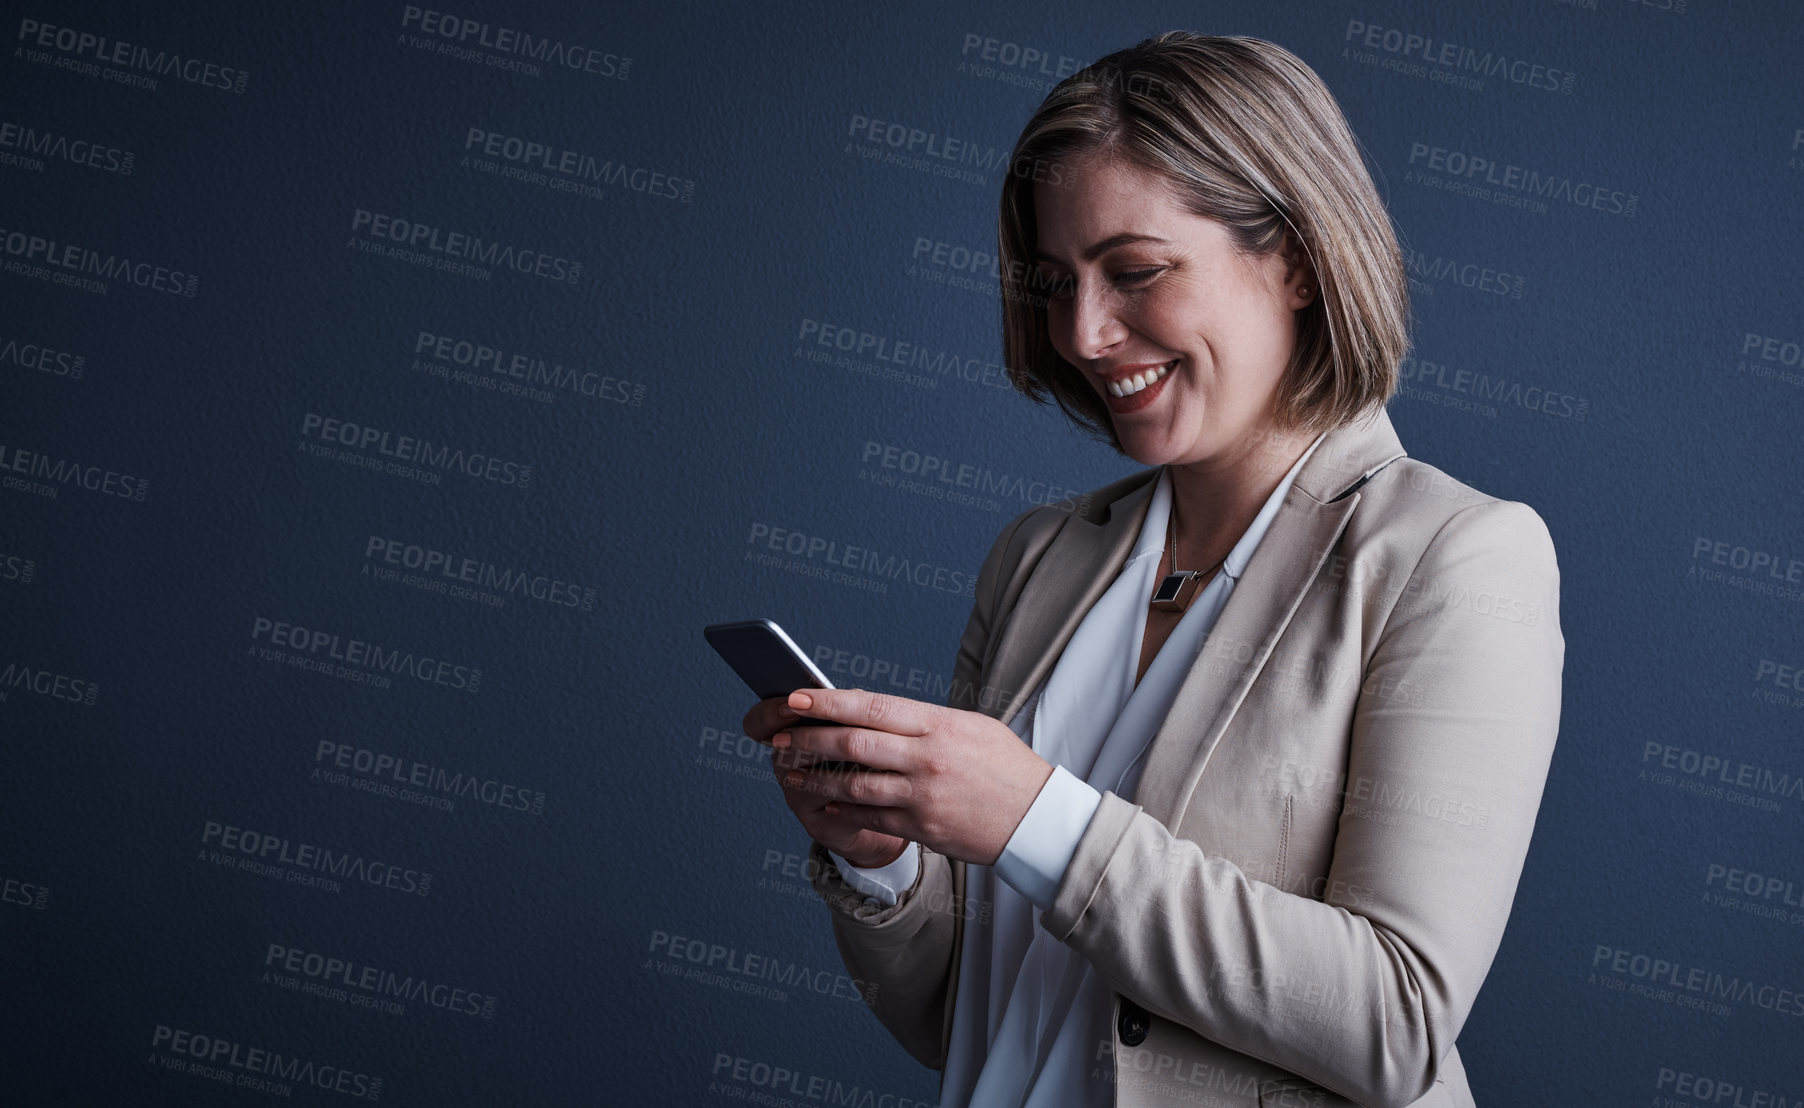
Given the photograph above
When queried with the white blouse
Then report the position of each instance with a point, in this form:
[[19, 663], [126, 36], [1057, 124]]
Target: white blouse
[[1030, 1013]]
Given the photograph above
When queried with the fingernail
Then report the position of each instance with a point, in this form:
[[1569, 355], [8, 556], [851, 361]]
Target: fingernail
[[786, 711], [794, 777], [780, 740], [801, 700]]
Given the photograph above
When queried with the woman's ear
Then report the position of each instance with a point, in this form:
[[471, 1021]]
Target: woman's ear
[[1300, 286]]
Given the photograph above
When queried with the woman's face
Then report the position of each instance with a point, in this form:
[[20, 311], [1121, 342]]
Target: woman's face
[[1142, 284]]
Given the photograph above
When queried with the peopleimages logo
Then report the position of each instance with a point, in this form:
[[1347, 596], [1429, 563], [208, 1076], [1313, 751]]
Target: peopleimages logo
[[272, 1071], [1013, 55], [418, 452], [49, 259], [25, 894], [1464, 273], [817, 553], [260, 851], [461, 37], [43, 359], [919, 142], [429, 784], [24, 677], [571, 170], [817, 340], [382, 989], [458, 247], [1480, 174], [958, 481], [39, 467], [128, 64], [530, 369], [455, 569], [1702, 1089], [1484, 386], [326, 647], [23, 570], [33, 145], [1769, 357], [1428, 50], [1707, 985]]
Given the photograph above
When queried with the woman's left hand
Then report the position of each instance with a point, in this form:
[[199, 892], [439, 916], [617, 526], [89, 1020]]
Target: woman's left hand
[[959, 781]]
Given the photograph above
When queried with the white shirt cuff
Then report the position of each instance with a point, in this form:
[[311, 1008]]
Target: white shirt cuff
[[1041, 848], [885, 884]]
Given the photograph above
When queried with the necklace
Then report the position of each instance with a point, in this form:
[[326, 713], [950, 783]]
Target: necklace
[[1179, 587]]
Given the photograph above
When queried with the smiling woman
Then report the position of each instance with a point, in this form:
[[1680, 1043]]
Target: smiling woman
[[1242, 137], [1246, 832]]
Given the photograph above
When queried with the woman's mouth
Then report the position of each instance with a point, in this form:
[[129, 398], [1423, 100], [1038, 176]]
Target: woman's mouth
[[1128, 386], [1137, 390]]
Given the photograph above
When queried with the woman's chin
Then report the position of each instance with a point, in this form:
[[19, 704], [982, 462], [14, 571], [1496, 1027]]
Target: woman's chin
[[1148, 452], [1148, 445]]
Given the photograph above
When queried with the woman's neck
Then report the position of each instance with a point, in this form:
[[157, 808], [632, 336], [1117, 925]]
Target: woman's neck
[[1214, 502]]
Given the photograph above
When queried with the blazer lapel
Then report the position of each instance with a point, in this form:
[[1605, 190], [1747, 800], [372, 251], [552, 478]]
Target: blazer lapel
[[1086, 554], [1315, 511], [1082, 561], [1287, 560]]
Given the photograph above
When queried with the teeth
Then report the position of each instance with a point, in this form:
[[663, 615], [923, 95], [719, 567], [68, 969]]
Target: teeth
[[1128, 386]]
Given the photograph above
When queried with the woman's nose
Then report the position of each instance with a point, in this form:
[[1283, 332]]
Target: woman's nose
[[1094, 321]]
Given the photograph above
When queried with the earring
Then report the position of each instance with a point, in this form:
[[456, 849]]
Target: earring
[[1302, 290]]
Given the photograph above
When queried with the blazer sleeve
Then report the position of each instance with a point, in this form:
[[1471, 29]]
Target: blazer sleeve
[[1364, 991], [907, 950]]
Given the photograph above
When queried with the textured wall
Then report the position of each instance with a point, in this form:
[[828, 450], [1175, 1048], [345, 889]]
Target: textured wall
[[383, 412]]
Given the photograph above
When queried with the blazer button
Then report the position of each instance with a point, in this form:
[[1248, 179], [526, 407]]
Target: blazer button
[[1133, 1024]]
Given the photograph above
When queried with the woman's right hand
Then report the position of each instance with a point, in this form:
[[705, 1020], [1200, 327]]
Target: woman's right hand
[[860, 846]]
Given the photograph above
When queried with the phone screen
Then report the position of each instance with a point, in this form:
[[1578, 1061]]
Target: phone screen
[[771, 664]]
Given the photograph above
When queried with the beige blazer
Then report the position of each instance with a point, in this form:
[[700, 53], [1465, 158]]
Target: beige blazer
[[1299, 905]]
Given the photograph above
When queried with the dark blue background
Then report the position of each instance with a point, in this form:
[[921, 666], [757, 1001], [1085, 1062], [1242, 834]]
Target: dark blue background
[[650, 827]]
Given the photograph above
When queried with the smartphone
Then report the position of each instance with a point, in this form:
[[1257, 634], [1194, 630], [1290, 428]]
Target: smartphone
[[771, 664]]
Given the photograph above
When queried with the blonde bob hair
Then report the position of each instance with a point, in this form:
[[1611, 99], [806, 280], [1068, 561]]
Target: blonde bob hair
[[1247, 135]]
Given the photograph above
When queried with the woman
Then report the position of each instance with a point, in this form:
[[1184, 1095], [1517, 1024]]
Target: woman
[[1241, 760]]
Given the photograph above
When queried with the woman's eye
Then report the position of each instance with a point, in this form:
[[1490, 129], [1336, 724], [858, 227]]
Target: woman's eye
[[1136, 276], [1060, 287]]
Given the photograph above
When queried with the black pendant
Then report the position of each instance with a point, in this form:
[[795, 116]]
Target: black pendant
[[1177, 590]]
